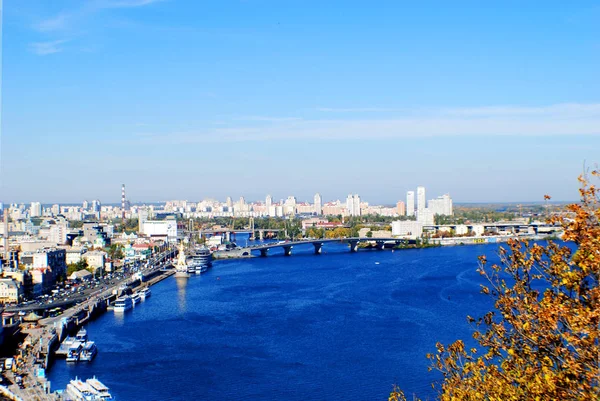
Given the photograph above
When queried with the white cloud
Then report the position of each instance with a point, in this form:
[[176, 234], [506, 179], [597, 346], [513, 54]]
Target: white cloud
[[45, 48], [126, 3], [562, 119], [356, 109], [67, 18]]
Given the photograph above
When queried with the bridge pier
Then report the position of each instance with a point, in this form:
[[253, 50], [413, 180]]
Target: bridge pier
[[228, 236], [379, 245], [261, 234], [263, 252], [353, 246], [287, 250], [318, 247]]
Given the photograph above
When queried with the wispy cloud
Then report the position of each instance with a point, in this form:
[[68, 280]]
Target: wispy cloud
[[357, 109], [46, 48], [554, 120], [67, 18], [125, 3]]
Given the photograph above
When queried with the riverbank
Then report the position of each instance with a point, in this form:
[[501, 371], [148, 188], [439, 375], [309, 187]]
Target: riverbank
[[34, 357]]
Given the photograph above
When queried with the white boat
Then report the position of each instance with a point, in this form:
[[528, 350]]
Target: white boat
[[99, 389], [74, 352], [123, 304], [88, 352], [81, 335], [136, 298], [90, 390], [200, 260], [145, 293]]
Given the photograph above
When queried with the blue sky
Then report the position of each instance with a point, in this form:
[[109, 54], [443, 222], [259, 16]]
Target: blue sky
[[181, 99]]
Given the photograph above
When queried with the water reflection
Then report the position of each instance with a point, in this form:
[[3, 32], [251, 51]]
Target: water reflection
[[119, 318], [181, 297]]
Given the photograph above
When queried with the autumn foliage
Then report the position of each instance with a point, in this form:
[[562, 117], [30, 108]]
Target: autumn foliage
[[542, 340]]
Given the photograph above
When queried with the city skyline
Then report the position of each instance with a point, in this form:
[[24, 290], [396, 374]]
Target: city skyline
[[245, 100]]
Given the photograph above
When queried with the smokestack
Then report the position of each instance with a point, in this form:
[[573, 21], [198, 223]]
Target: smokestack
[[123, 202], [6, 253]]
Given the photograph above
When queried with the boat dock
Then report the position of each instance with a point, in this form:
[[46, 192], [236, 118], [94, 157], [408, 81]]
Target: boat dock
[[43, 341]]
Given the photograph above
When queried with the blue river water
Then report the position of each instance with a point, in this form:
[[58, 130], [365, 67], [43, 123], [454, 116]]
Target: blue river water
[[336, 326]]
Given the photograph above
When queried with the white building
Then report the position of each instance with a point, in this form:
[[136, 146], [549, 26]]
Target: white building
[[74, 255], [10, 291], [269, 205], [441, 205], [421, 205], [410, 203], [478, 229], [35, 210], [95, 259], [461, 229], [289, 207], [353, 205], [408, 228], [426, 217], [58, 233], [318, 204], [161, 228]]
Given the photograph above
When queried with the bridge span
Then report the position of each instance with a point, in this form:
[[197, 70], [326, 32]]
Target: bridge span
[[353, 242]]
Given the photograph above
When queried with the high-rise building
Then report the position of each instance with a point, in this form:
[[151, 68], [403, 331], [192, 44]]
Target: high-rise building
[[318, 208], [35, 210], [55, 210], [400, 208], [421, 205], [410, 203], [85, 205], [143, 215], [269, 209], [353, 205], [289, 206], [441, 205]]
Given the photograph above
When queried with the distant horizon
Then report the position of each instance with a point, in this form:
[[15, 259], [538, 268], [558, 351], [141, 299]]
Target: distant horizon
[[140, 203]]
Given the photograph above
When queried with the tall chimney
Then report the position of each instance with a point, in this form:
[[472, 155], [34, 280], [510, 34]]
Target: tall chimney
[[6, 253], [123, 202]]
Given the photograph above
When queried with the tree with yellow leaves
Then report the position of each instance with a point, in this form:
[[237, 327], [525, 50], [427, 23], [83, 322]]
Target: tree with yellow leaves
[[542, 341]]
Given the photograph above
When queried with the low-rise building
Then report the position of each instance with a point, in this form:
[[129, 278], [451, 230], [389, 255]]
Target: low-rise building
[[80, 275], [11, 291], [407, 228], [95, 259]]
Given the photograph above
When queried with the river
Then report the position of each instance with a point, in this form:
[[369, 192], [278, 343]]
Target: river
[[336, 326]]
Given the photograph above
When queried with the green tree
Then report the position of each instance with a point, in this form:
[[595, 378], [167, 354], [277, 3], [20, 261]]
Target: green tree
[[542, 342], [75, 267]]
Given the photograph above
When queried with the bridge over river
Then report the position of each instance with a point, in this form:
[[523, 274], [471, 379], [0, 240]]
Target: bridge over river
[[318, 244]]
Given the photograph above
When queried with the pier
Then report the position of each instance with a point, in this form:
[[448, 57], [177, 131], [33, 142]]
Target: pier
[[44, 336]]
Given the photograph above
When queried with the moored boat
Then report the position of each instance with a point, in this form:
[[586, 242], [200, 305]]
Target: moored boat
[[74, 352], [90, 390], [88, 352], [81, 335], [136, 298], [123, 304], [145, 293]]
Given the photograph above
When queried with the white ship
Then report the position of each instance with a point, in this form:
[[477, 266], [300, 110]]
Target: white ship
[[123, 304], [90, 390], [200, 260], [136, 298], [74, 352], [89, 351], [145, 293]]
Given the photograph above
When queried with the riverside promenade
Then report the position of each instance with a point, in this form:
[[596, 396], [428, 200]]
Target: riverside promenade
[[35, 353]]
